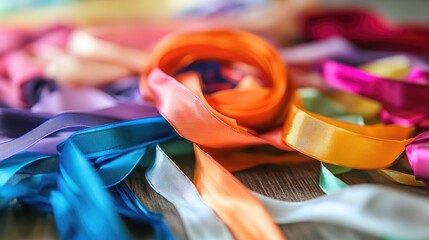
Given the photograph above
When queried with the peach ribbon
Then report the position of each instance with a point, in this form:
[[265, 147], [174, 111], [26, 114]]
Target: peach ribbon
[[261, 110]]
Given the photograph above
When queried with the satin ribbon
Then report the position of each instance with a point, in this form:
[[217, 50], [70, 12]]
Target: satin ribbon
[[53, 125], [247, 116], [23, 61], [316, 102], [417, 157], [48, 127], [409, 71], [366, 29], [238, 209], [35, 40], [362, 216], [114, 173], [75, 198], [90, 61], [371, 209], [123, 190], [15, 123], [391, 93], [119, 149], [120, 100], [392, 81], [310, 53], [114, 140], [70, 57], [94, 101], [170, 182], [355, 201], [304, 61]]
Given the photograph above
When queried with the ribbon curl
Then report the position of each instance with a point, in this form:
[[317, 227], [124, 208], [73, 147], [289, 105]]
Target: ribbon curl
[[250, 113]]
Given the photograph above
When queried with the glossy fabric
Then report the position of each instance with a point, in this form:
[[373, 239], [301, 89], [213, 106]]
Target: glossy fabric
[[53, 125], [367, 29], [170, 182], [22, 58], [372, 209], [392, 93], [249, 115], [238, 209], [417, 153], [77, 193]]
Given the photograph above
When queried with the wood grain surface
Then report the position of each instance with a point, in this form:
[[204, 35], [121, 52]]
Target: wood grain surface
[[287, 182]]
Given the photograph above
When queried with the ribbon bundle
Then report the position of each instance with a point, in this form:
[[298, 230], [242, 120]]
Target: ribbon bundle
[[227, 97]]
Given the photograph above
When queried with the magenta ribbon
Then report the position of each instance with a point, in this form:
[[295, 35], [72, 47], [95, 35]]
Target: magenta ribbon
[[404, 102], [366, 29], [418, 156]]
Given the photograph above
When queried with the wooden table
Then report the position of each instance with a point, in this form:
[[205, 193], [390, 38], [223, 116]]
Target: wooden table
[[287, 182]]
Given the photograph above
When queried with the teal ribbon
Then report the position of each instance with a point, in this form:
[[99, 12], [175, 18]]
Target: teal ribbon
[[86, 191], [316, 102]]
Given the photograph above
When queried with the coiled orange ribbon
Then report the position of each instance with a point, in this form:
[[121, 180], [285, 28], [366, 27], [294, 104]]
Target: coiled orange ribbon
[[258, 111]]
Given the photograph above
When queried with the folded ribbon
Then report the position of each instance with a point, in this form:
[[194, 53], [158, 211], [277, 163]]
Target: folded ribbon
[[169, 181], [371, 209], [250, 114], [77, 193], [399, 83], [417, 153], [366, 29]]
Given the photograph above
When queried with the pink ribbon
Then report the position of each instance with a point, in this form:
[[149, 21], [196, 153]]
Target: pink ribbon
[[23, 61], [418, 156], [367, 29], [404, 102]]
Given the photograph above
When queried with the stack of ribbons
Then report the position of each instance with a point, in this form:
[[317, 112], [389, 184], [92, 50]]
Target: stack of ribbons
[[83, 108]]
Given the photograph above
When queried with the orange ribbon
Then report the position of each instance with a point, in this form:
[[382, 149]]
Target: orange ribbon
[[252, 114], [235, 205]]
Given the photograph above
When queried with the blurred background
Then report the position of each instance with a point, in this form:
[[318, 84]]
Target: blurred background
[[277, 19], [411, 10], [31, 12], [106, 33]]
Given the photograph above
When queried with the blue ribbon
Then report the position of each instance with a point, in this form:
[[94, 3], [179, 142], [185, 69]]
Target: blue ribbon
[[86, 191]]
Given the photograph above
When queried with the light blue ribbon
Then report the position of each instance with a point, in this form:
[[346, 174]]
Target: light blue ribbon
[[87, 193]]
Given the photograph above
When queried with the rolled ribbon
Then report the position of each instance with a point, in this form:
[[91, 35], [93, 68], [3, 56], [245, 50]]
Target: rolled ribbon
[[252, 115], [248, 115]]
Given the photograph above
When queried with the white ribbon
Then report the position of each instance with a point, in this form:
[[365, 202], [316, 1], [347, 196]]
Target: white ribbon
[[372, 209], [199, 220]]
